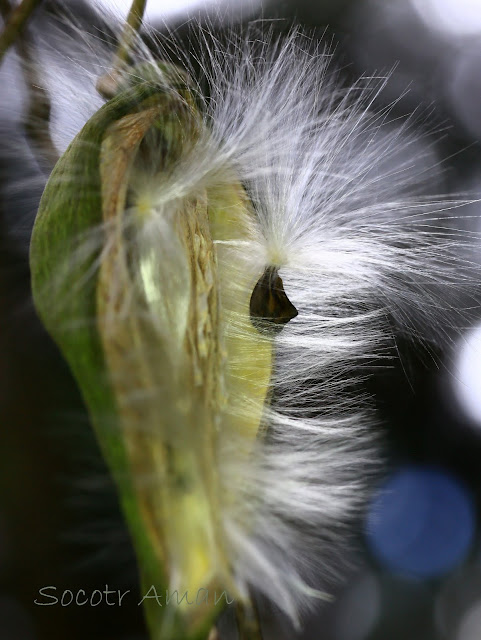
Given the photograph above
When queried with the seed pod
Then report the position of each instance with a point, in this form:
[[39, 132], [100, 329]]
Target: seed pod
[[140, 288]]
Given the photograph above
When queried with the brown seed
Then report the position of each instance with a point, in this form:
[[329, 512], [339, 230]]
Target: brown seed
[[270, 308]]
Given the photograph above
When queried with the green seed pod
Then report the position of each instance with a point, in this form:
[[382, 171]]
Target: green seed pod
[[143, 292]]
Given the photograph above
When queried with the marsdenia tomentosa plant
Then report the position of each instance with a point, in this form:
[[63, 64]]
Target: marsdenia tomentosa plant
[[236, 448]]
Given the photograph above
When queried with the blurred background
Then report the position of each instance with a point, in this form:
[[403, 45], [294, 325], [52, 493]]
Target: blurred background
[[416, 559]]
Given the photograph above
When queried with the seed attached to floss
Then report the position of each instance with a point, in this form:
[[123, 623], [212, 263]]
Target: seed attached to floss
[[270, 308]]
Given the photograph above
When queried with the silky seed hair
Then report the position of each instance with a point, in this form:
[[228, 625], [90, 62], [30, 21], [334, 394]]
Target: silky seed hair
[[341, 214]]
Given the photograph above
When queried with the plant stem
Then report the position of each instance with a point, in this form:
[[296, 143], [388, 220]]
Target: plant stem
[[38, 113], [132, 26], [107, 83], [37, 120], [15, 23]]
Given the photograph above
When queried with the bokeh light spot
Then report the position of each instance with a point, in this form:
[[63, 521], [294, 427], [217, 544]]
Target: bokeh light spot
[[421, 523], [470, 626], [457, 596], [154, 9], [165, 9], [453, 17], [468, 375]]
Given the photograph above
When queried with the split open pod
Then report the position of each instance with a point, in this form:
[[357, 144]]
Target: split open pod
[[146, 291]]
